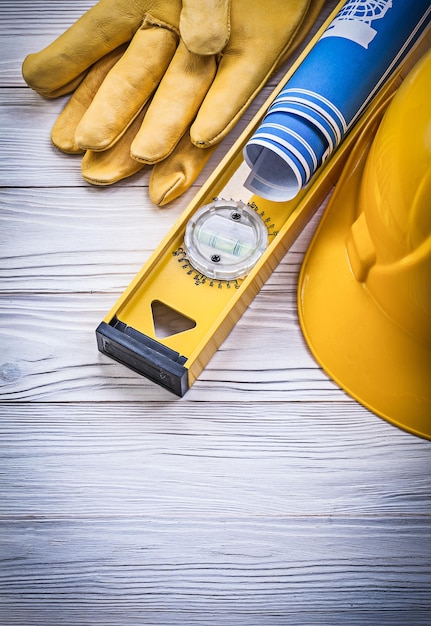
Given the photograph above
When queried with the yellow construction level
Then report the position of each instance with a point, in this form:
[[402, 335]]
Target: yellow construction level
[[173, 316]]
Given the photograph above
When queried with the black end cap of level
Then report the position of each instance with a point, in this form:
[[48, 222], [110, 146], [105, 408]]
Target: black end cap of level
[[143, 355]]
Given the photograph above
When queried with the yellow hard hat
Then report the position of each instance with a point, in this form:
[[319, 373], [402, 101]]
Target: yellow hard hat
[[364, 294]]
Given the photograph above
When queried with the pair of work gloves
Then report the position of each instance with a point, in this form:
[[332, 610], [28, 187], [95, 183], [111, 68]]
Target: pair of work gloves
[[162, 82]]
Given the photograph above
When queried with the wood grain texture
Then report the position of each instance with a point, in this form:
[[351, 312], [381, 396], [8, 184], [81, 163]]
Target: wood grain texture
[[68, 255], [176, 459], [215, 571], [265, 497], [166, 514]]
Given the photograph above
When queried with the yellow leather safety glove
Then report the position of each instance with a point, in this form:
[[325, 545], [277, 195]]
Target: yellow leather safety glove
[[203, 81]]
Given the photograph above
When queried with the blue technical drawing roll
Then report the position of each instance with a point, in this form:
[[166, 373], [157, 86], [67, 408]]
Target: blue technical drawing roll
[[361, 47]]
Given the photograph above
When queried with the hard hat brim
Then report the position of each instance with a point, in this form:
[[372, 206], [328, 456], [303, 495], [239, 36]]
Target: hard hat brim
[[369, 356]]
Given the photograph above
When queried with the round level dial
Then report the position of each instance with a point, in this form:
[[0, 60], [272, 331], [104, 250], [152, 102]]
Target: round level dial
[[225, 239]]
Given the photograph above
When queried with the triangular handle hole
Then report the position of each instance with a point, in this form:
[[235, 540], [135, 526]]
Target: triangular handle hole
[[167, 321]]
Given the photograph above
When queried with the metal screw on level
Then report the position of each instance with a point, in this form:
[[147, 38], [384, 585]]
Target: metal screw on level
[[235, 216], [216, 258]]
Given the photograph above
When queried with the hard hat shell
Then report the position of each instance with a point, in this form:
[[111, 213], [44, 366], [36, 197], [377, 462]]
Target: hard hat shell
[[364, 294]]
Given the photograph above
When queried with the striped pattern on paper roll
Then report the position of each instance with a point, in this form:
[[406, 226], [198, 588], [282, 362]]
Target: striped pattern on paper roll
[[358, 51]]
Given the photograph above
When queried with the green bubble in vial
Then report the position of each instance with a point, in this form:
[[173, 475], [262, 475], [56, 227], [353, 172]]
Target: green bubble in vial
[[224, 243]]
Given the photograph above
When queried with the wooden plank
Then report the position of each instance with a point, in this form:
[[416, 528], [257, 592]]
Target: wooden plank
[[68, 255], [165, 514], [58, 239], [49, 353], [176, 460], [216, 570], [85, 239], [16, 16]]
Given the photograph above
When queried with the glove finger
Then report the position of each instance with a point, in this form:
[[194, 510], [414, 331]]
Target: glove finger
[[100, 30], [242, 72], [174, 105], [63, 91], [205, 25], [110, 166], [128, 86], [173, 176], [63, 131]]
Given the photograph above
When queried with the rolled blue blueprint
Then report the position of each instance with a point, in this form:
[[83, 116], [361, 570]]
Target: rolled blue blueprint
[[354, 56]]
